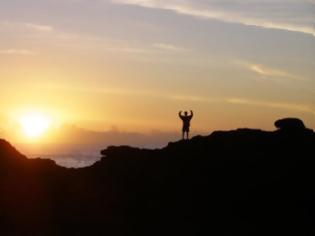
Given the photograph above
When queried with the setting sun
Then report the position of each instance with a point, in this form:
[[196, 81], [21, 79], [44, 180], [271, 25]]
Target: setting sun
[[34, 125]]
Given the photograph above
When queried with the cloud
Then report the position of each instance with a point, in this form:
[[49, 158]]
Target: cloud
[[267, 71], [250, 102], [193, 98], [169, 47], [290, 15], [127, 49], [26, 26], [41, 28], [286, 106], [27, 32], [143, 49], [13, 51], [272, 72], [261, 70], [135, 92]]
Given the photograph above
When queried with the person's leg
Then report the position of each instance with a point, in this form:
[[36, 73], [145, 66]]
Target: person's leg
[[187, 133], [183, 134]]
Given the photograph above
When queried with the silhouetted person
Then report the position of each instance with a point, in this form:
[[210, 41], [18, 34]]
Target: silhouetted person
[[186, 122]]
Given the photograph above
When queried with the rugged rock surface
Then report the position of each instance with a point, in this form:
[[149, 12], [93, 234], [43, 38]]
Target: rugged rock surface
[[247, 182]]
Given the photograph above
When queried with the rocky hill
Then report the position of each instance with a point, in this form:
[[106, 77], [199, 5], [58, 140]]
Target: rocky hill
[[248, 182]]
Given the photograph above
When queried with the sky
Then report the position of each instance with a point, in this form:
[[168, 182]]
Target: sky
[[129, 66]]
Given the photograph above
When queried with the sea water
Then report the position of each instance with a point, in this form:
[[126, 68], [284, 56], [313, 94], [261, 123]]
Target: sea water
[[77, 160]]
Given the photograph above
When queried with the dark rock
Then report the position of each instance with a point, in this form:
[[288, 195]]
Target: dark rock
[[240, 182], [290, 124]]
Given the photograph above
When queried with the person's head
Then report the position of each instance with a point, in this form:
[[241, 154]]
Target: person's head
[[186, 113]]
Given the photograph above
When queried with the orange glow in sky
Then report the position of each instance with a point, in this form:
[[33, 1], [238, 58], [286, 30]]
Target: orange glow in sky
[[131, 66]]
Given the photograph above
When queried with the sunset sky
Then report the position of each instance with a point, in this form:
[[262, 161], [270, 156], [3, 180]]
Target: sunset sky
[[131, 65]]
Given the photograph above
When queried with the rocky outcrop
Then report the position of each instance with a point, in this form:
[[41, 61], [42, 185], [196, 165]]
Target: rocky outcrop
[[247, 182], [290, 124]]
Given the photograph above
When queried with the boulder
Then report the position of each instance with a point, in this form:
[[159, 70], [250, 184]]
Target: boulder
[[290, 124]]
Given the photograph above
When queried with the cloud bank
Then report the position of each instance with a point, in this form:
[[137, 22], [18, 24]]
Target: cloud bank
[[290, 15]]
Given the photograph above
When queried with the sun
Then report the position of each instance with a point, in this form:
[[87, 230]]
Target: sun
[[34, 124]]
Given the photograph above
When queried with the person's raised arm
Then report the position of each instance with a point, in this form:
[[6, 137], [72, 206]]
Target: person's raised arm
[[191, 113], [180, 114]]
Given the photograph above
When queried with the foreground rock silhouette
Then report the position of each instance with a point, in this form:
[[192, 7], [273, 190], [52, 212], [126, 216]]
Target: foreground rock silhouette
[[247, 182], [290, 124]]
